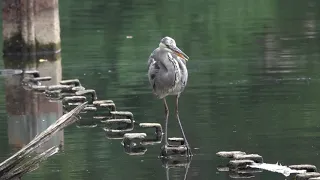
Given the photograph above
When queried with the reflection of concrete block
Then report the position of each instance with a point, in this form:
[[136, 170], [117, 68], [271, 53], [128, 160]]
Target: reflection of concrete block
[[306, 176], [135, 151], [237, 175], [236, 164]]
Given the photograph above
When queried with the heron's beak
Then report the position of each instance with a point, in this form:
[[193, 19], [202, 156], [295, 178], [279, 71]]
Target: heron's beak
[[179, 52]]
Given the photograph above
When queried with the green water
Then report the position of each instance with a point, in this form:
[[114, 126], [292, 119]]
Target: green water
[[253, 83]]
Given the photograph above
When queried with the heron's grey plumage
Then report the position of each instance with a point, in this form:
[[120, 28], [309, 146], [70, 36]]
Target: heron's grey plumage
[[168, 75]]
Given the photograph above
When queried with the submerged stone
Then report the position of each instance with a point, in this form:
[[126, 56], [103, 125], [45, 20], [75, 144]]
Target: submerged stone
[[237, 175]]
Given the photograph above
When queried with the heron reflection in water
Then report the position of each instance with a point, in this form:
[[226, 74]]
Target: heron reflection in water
[[168, 75]]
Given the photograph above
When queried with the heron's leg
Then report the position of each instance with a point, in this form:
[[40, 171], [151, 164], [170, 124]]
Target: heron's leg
[[184, 136], [166, 109]]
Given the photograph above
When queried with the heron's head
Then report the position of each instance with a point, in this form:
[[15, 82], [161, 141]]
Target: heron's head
[[170, 44]]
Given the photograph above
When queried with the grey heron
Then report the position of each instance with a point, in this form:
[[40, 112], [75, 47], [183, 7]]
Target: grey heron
[[168, 75]]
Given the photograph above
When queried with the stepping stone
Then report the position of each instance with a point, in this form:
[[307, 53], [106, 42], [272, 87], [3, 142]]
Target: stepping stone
[[35, 73], [157, 126], [69, 99], [229, 154], [307, 167], [39, 88], [110, 106], [173, 150], [110, 121], [133, 139], [74, 82], [98, 102], [121, 115], [254, 157], [236, 164], [131, 136], [176, 140], [60, 87], [78, 88], [38, 79], [90, 92]]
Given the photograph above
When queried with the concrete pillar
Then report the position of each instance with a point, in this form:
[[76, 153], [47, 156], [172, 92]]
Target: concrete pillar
[[30, 27], [31, 33]]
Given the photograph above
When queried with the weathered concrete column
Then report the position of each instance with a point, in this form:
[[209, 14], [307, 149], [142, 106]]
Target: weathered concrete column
[[30, 27], [31, 31]]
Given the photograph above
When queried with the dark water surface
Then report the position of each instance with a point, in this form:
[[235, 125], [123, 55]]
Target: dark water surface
[[253, 84]]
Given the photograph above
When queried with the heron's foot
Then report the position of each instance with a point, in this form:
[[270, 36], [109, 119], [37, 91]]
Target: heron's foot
[[189, 152], [164, 149]]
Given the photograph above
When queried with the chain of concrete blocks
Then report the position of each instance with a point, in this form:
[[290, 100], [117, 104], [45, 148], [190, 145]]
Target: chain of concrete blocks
[[243, 165], [117, 124]]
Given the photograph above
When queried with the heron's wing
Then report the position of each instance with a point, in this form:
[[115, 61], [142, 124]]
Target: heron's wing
[[161, 73], [153, 71]]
